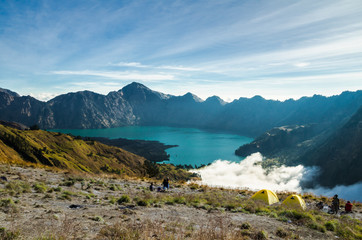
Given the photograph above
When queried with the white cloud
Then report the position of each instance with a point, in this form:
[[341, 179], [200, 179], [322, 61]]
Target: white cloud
[[130, 64], [247, 174], [351, 192], [118, 75], [301, 64], [43, 96], [164, 67]]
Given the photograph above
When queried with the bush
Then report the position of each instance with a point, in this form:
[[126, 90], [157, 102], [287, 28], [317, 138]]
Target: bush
[[318, 227], [179, 200], [40, 187], [16, 187], [124, 199], [261, 235], [330, 226], [8, 235], [143, 203], [112, 200], [281, 233], [8, 205], [98, 219], [245, 225]]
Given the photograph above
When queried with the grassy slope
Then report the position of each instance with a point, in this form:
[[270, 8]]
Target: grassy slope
[[65, 152]]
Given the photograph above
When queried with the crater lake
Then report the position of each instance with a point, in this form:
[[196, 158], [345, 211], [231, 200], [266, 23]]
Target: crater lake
[[195, 146]]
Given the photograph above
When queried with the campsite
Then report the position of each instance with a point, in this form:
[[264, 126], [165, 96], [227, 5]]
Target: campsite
[[48, 204]]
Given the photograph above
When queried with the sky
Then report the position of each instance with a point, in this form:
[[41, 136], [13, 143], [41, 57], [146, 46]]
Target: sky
[[278, 49]]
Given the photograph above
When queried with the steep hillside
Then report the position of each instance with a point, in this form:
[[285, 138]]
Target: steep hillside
[[135, 104], [340, 156], [65, 152], [338, 153], [285, 144]]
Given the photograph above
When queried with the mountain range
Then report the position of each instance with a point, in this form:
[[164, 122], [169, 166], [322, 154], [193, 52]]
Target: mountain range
[[135, 104], [313, 131]]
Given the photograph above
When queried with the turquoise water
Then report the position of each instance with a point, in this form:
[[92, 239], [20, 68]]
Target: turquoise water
[[194, 146]]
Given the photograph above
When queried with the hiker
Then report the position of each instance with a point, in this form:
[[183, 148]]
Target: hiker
[[151, 187], [348, 207], [165, 184], [335, 204]]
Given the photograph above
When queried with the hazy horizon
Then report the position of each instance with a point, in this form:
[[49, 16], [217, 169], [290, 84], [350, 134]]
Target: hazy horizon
[[278, 50], [49, 98]]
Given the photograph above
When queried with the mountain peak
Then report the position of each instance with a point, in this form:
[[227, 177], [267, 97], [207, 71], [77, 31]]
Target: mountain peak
[[215, 100], [14, 94], [135, 86], [193, 97], [137, 91]]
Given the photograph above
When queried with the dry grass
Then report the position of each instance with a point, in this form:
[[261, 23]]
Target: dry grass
[[172, 229]]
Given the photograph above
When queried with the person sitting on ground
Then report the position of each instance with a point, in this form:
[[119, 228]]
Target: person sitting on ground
[[348, 207], [335, 204], [320, 205]]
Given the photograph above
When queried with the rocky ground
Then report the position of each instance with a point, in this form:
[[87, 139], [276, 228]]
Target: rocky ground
[[44, 204]]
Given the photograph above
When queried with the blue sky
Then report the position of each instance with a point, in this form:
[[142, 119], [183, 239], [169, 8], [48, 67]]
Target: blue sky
[[276, 49]]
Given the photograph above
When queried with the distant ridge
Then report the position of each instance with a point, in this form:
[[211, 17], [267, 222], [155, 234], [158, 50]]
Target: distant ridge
[[136, 104]]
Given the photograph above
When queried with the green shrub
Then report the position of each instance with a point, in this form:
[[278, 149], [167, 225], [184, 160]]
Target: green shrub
[[124, 199], [245, 225], [40, 187], [298, 215], [261, 235], [8, 235], [66, 195], [98, 219], [143, 203], [281, 233], [16, 187], [69, 182], [179, 200], [8, 205], [330, 226], [317, 226], [112, 200]]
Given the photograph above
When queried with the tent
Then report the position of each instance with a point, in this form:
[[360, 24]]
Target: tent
[[268, 196], [294, 201]]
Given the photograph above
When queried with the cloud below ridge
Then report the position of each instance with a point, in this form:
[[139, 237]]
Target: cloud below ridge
[[249, 174]]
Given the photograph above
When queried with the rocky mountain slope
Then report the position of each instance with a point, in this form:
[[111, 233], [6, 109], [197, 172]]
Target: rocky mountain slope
[[340, 156], [135, 104]]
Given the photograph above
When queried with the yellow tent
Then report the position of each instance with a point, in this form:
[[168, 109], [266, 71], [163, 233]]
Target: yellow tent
[[267, 196], [294, 201]]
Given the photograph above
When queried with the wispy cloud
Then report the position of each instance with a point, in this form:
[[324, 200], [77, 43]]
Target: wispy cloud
[[301, 64], [164, 67], [118, 75], [220, 45]]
